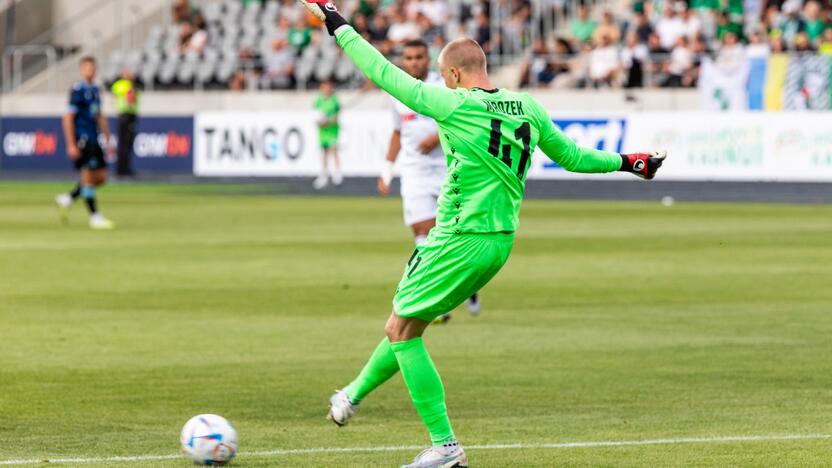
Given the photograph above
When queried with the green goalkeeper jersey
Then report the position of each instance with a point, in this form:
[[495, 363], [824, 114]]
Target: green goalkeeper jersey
[[330, 107], [488, 137]]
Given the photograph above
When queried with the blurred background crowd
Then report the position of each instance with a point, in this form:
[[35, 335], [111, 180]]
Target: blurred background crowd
[[275, 44]]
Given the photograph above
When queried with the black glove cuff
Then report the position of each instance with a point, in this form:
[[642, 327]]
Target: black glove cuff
[[334, 20], [625, 164]]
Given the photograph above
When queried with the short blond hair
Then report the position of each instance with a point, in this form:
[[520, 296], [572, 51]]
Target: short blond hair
[[464, 53]]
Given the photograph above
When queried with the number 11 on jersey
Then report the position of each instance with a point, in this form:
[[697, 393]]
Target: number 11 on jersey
[[523, 134]]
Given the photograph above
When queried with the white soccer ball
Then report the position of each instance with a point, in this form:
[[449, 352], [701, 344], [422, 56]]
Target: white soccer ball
[[209, 439]]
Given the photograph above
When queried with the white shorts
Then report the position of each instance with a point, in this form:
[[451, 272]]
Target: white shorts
[[420, 191], [418, 208]]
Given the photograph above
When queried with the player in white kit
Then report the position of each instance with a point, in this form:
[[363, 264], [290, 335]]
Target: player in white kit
[[422, 164]]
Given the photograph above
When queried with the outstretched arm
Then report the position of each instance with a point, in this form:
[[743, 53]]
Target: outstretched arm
[[562, 150], [433, 101]]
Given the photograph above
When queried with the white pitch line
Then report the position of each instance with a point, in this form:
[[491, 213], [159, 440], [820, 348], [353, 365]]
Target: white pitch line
[[273, 453]]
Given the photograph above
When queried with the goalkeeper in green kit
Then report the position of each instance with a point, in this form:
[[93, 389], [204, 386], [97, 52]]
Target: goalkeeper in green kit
[[488, 136]]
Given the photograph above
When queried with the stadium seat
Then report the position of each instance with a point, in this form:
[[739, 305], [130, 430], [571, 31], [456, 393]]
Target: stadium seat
[[112, 68], [150, 67], [227, 66], [233, 26], [169, 68], [207, 68], [133, 60]]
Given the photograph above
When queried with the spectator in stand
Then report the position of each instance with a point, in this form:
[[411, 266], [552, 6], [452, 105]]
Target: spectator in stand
[[670, 28], [280, 62], [814, 25], [826, 41], [427, 28], [379, 29], [361, 26], [772, 19], [608, 28], [642, 27], [282, 31], [582, 27], [562, 63], [654, 45], [402, 28], [604, 66], [237, 82], [802, 44], [731, 56], [292, 10], [249, 74], [182, 11], [791, 23], [191, 39], [778, 45], [543, 66], [657, 65], [728, 23], [512, 31], [757, 47], [579, 66], [680, 65], [436, 48], [299, 35], [700, 49], [692, 22], [369, 8], [634, 56], [435, 10], [483, 32]]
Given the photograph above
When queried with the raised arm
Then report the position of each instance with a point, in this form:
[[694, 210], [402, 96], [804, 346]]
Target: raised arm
[[433, 101], [436, 102]]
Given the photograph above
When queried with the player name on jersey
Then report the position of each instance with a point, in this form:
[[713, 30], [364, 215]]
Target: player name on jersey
[[505, 107]]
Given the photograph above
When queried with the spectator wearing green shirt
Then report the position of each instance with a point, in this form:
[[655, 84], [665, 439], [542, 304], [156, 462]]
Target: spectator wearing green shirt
[[814, 24], [728, 23], [582, 27], [300, 35], [127, 105]]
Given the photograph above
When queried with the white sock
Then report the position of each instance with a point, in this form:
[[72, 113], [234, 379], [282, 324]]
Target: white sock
[[421, 240]]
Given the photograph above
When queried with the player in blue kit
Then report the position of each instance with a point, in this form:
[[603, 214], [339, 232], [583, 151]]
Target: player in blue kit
[[82, 124]]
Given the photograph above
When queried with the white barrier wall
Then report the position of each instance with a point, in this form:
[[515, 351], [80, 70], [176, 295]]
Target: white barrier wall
[[701, 146], [268, 144]]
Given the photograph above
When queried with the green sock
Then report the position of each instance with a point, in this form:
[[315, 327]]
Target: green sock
[[381, 366], [425, 388]]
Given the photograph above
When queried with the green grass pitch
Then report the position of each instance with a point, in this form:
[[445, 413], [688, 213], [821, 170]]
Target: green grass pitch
[[610, 322]]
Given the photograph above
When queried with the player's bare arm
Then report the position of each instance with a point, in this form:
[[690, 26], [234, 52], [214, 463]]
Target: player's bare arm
[[105, 130], [429, 144], [69, 136], [386, 177]]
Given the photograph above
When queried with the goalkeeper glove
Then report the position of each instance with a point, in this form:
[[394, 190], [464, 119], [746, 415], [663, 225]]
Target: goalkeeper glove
[[643, 165], [325, 11]]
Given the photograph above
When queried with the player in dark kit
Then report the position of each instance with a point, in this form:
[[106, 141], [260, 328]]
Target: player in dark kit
[[82, 124]]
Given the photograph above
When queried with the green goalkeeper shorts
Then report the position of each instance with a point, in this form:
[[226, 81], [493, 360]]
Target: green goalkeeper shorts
[[448, 269], [328, 138]]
